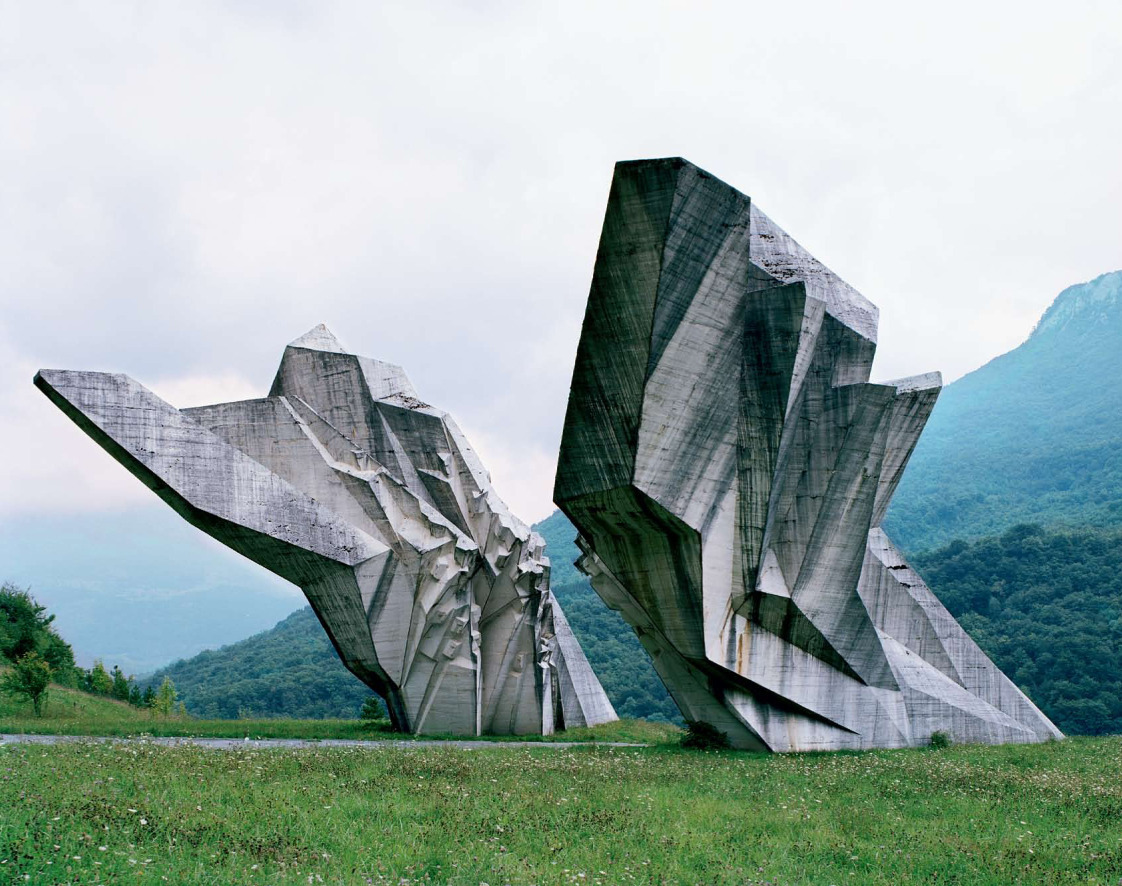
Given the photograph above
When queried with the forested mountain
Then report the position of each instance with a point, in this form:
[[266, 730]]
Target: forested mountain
[[1035, 435]]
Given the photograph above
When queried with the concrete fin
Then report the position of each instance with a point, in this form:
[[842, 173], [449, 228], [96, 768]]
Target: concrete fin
[[726, 461], [602, 421], [915, 398]]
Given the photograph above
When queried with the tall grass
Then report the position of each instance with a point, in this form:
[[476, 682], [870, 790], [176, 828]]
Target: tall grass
[[1041, 814]]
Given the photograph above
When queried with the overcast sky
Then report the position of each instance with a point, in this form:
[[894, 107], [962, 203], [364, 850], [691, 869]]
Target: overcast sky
[[184, 188]]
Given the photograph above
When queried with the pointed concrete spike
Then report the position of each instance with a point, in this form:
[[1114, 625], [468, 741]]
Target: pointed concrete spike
[[319, 338]]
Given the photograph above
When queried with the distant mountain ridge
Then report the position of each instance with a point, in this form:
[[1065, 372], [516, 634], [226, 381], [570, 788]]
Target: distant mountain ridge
[[1102, 295], [1034, 435]]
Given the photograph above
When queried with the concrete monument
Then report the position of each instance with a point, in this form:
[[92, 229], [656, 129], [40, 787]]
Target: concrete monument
[[727, 464], [345, 483]]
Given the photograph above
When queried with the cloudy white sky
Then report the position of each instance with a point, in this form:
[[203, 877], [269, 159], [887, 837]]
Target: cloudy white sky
[[186, 187]]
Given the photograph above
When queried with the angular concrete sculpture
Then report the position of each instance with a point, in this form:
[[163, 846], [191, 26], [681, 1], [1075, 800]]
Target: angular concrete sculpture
[[343, 482], [728, 464]]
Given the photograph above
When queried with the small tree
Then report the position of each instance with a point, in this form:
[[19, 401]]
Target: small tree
[[29, 677], [26, 627], [166, 697], [120, 690], [135, 697], [940, 740], [372, 709], [99, 680], [148, 699]]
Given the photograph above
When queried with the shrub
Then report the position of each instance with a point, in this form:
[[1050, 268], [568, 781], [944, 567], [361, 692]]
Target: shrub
[[373, 715], [940, 740], [372, 709], [702, 736]]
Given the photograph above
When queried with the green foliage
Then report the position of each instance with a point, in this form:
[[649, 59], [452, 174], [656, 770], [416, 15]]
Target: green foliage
[[561, 547], [702, 736], [58, 654], [617, 657], [28, 677], [166, 697], [372, 709], [1034, 435], [985, 816], [22, 622], [940, 740], [25, 627], [98, 680], [120, 688], [1046, 606]]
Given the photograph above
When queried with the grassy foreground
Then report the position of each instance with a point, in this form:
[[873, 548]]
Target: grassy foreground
[[69, 712], [143, 814]]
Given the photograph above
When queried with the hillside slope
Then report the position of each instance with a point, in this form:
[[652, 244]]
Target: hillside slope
[[290, 670], [1034, 435]]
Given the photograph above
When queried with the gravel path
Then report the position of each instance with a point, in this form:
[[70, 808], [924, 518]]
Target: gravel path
[[231, 743]]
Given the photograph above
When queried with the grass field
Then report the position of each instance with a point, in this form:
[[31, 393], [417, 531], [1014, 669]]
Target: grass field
[[69, 712], [143, 814]]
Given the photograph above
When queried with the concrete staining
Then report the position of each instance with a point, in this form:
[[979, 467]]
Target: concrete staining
[[728, 464], [345, 483]]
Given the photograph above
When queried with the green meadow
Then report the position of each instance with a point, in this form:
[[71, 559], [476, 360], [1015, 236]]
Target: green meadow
[[138, 813]]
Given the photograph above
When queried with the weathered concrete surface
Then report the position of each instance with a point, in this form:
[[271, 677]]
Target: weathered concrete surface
[[727, 463], [345, 483]]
